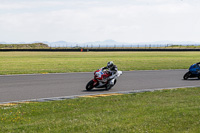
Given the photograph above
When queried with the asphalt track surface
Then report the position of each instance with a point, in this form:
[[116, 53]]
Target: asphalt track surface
[[25, 87]]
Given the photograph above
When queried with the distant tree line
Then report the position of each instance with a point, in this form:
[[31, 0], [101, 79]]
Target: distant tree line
[[23, 46], [45, 46]]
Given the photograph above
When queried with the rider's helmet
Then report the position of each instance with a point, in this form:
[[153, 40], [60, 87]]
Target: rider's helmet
[[110, 64]]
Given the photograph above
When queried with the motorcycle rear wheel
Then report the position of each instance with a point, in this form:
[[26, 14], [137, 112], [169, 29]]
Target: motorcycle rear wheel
[[109, 86], [198, 77], [89, 85]]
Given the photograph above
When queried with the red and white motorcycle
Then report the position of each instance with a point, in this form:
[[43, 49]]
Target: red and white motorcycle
[[101, 80]]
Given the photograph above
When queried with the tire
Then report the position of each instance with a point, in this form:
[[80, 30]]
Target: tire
[[89, 85], [198, 77], [108, 86], [186, 76], [115, 81]]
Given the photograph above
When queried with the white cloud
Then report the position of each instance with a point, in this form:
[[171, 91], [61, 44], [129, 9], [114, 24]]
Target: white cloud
[[86, 20]]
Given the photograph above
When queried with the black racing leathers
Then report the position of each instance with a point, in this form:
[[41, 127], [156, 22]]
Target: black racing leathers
[[113, 69]]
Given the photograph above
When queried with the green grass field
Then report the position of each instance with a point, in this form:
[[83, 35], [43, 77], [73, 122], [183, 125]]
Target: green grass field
[[61, 62], [160, 111], [163, 111]]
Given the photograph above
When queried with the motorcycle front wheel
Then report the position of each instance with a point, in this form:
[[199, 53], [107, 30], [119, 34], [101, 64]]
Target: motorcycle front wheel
[[186, 76], [89, 85]]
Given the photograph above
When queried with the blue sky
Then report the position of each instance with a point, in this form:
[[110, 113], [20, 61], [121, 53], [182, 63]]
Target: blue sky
[[97, 20]]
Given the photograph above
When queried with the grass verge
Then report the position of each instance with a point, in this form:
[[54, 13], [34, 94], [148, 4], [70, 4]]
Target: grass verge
[[175, 110], [61, 62]]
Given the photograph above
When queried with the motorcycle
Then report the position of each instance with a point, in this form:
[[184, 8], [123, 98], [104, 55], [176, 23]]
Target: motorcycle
[[194, 71], [101, 80]]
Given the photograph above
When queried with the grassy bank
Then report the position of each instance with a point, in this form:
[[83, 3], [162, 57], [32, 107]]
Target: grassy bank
[[24, 46], [58, 62], [160, 111]]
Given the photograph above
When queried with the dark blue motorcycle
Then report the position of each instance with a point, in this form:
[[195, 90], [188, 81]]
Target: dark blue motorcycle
[[194, 72]]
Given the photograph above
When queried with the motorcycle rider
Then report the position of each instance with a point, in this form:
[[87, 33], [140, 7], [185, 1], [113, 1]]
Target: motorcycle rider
[[198, 65], [113, 70]]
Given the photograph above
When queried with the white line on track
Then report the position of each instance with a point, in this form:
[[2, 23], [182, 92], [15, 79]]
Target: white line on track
[[76, 96]]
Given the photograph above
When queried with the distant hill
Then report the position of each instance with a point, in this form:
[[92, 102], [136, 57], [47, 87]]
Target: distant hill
[[113, 43]]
